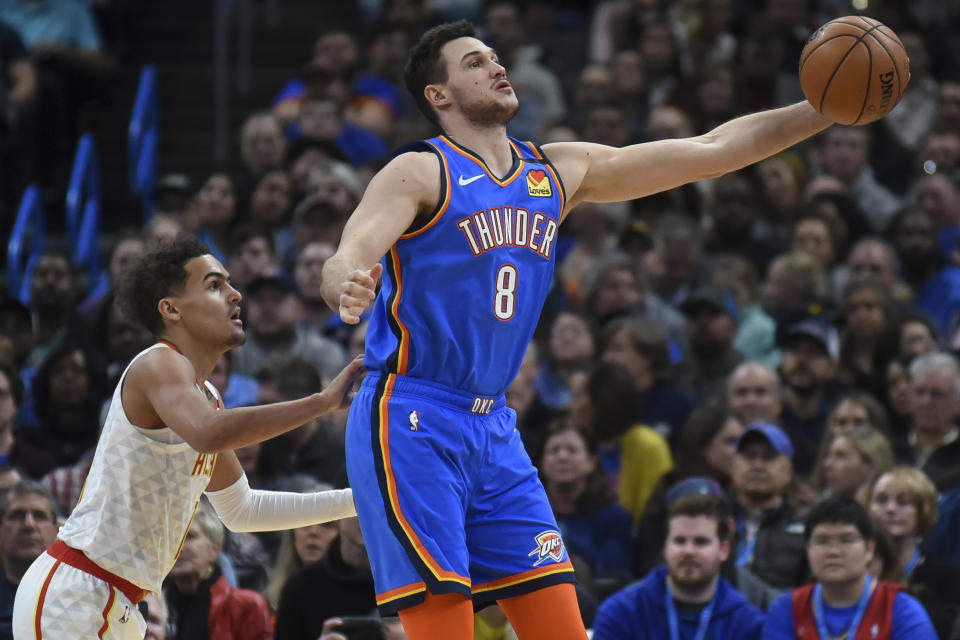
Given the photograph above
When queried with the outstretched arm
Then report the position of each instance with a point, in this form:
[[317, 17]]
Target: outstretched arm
[[597, 173], [159, 390], [244, 509], [409, 184]]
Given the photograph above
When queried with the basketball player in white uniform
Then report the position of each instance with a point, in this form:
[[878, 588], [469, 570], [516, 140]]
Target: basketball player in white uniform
[[166, 441]]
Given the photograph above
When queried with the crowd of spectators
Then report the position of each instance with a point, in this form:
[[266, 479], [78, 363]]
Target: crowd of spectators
[[729, 381]]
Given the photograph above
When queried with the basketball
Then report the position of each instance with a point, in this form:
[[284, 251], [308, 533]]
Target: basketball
[[854, 70]]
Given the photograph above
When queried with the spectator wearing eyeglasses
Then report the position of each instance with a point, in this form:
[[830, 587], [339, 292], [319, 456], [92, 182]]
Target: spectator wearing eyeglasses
[[27, 527], [845, 601]]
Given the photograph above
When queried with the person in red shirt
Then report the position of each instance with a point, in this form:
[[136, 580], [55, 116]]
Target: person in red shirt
[[846, 601]]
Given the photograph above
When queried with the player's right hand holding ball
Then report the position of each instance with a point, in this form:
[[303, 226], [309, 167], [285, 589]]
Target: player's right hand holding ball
[[357, 291]]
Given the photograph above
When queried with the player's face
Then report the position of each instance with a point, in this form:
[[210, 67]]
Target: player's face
[[477, 83], [693, 551], [209, 306]]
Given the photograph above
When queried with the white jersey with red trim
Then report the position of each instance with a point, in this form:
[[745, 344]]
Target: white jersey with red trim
[[140, 496]]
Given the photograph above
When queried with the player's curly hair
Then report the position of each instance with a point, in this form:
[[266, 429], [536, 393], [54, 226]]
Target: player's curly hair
[[426, 66], [161, 272]]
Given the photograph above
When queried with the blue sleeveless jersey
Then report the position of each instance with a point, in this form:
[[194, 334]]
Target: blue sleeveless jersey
[[463, 290]]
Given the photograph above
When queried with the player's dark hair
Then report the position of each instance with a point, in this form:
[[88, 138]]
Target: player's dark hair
[[839, 510], [162, 271], [700, 504], [426, 66]]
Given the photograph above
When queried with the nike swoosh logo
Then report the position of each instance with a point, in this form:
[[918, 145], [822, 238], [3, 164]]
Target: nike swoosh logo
[[464, 183]]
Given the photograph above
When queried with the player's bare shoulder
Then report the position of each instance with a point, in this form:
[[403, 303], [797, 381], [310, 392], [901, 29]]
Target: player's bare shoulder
[[155, 369], [415, 174]]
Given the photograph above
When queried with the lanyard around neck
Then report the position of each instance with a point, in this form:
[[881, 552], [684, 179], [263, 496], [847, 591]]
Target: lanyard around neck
[[673, 623], [821, 621], [912, 563]]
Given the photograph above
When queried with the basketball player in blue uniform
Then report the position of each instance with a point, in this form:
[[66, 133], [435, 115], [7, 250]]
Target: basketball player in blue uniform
[[462, 229]]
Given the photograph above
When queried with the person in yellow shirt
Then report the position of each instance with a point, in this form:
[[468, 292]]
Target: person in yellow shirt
[[634, 456]]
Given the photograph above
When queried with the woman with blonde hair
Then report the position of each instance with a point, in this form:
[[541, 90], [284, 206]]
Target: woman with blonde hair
[[903, 501], [301, 546], [851, 458]]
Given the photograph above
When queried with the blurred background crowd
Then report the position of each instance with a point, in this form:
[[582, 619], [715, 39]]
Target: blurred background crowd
[[811, 300]]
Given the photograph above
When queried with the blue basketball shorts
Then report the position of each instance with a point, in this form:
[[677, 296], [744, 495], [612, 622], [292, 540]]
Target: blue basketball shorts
[[447, 497]]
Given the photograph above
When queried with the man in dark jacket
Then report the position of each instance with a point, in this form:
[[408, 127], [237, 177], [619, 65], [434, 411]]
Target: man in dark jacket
[[770, 536], [688, 598]]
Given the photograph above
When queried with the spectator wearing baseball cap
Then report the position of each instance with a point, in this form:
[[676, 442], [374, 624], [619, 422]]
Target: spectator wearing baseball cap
[[810, 351], [688, 598], [275, 314], [712, 318], [770, 536]]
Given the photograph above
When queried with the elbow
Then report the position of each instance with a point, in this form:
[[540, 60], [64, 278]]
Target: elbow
[[207, 447], [233, 525], [207, 439]]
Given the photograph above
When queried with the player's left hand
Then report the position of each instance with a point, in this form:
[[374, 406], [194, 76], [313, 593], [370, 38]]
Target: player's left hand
[[340, 391], [357, 291]]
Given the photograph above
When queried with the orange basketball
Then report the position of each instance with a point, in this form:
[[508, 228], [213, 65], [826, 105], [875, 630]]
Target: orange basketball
[[854, 70]]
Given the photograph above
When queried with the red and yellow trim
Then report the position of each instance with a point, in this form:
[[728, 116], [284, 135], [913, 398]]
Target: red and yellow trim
[[106, 612], [400, 592], [472, 157], [428, 560], [526, 576], [38, 611]]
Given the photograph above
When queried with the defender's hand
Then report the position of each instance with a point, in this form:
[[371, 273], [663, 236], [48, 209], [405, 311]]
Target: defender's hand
[[340, 391]]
